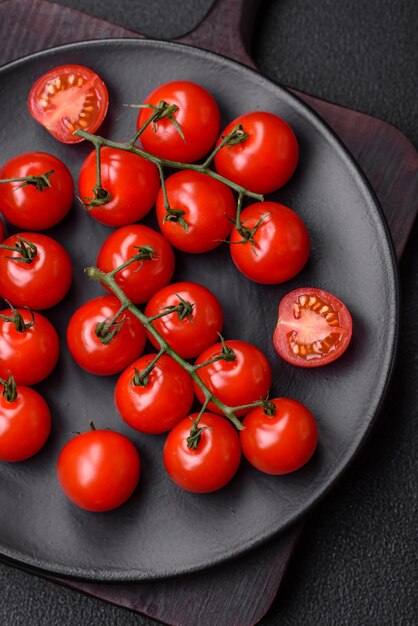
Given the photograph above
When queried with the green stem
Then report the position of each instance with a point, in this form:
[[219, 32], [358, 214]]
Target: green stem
[[127, 147], [39, 181], [9, 389], [109, 281], [141, 378]]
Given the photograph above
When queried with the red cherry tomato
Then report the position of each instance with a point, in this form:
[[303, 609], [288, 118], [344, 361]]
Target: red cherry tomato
[[243, 380], [265, 160], [203, 206], [41, 283], [142, 279], [25, 423], [98, 470], [157, 403], [283, 442], [131, 181], [278, 249], [30, 208], [188, 333], [101, 344], [199, 118], [314, 327], [66, 98], [28, 354], [212, 464]]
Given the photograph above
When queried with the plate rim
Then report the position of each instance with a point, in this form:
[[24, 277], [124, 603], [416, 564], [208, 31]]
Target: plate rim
[[37, 565]]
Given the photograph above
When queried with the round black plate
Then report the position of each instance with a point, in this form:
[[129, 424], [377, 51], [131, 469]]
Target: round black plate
[[163, 531]]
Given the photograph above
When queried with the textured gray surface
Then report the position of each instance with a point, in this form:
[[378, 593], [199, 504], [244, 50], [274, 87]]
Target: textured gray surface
[[357, 560]]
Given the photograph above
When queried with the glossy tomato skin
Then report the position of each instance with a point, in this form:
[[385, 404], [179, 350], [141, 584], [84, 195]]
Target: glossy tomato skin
[[43, 282], [28, 208], [266, 160], [281, 244], [190, 335], [280, 444], [131, 180], [66, 98], [158, 405], [207, 205], [104, 359], [215, 461], [314, 327], [245, 380], [98, 470], [31, 355], [142, 279], [198, 116], [25, 424]]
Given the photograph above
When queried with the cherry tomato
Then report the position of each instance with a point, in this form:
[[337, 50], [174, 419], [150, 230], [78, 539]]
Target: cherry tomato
[[40, 283], [244, 379], [198, 116], [187, 332], [265, 160], [142, 279], [283, 442], [31, 208], [25, 423], [201, 208], [98, 470], [314, 327], [212, 464], [131, 181], [278, 249], [28, 352], [66, 98], [157, 402], [101, 344]]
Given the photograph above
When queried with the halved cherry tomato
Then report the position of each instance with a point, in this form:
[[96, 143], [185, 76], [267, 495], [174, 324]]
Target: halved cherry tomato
[[143, 278], [187, 332], [198, 116], [131, 181], [98, 470], [29, 346], [243, 379], [31, 208], [66, 98], [102, 342], [279, 247], [40, 283], [279, 441], [314, 327], [25, 424], [212, 464], [200, 208], [155, 403], [265, 160]]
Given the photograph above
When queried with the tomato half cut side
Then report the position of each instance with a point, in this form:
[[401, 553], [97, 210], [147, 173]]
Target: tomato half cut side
[[69, 97], [314, 327]]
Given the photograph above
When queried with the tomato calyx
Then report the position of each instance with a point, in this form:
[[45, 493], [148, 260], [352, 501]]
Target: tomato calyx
[[40, 181], [17, 320], [176, 215], [25, 248], [233, 138], [9, 389], [100, 197], [110, 327], [195, 434], [141, 379], [269, 408], [162, 110], [247, 234]]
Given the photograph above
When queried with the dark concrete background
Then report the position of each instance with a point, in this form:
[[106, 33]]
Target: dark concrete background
[[356, 563]]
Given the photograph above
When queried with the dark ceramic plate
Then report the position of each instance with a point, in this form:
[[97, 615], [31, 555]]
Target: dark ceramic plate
[[163, 531]]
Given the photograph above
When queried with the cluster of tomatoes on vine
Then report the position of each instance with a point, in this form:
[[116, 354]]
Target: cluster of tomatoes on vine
[[178, 127]]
